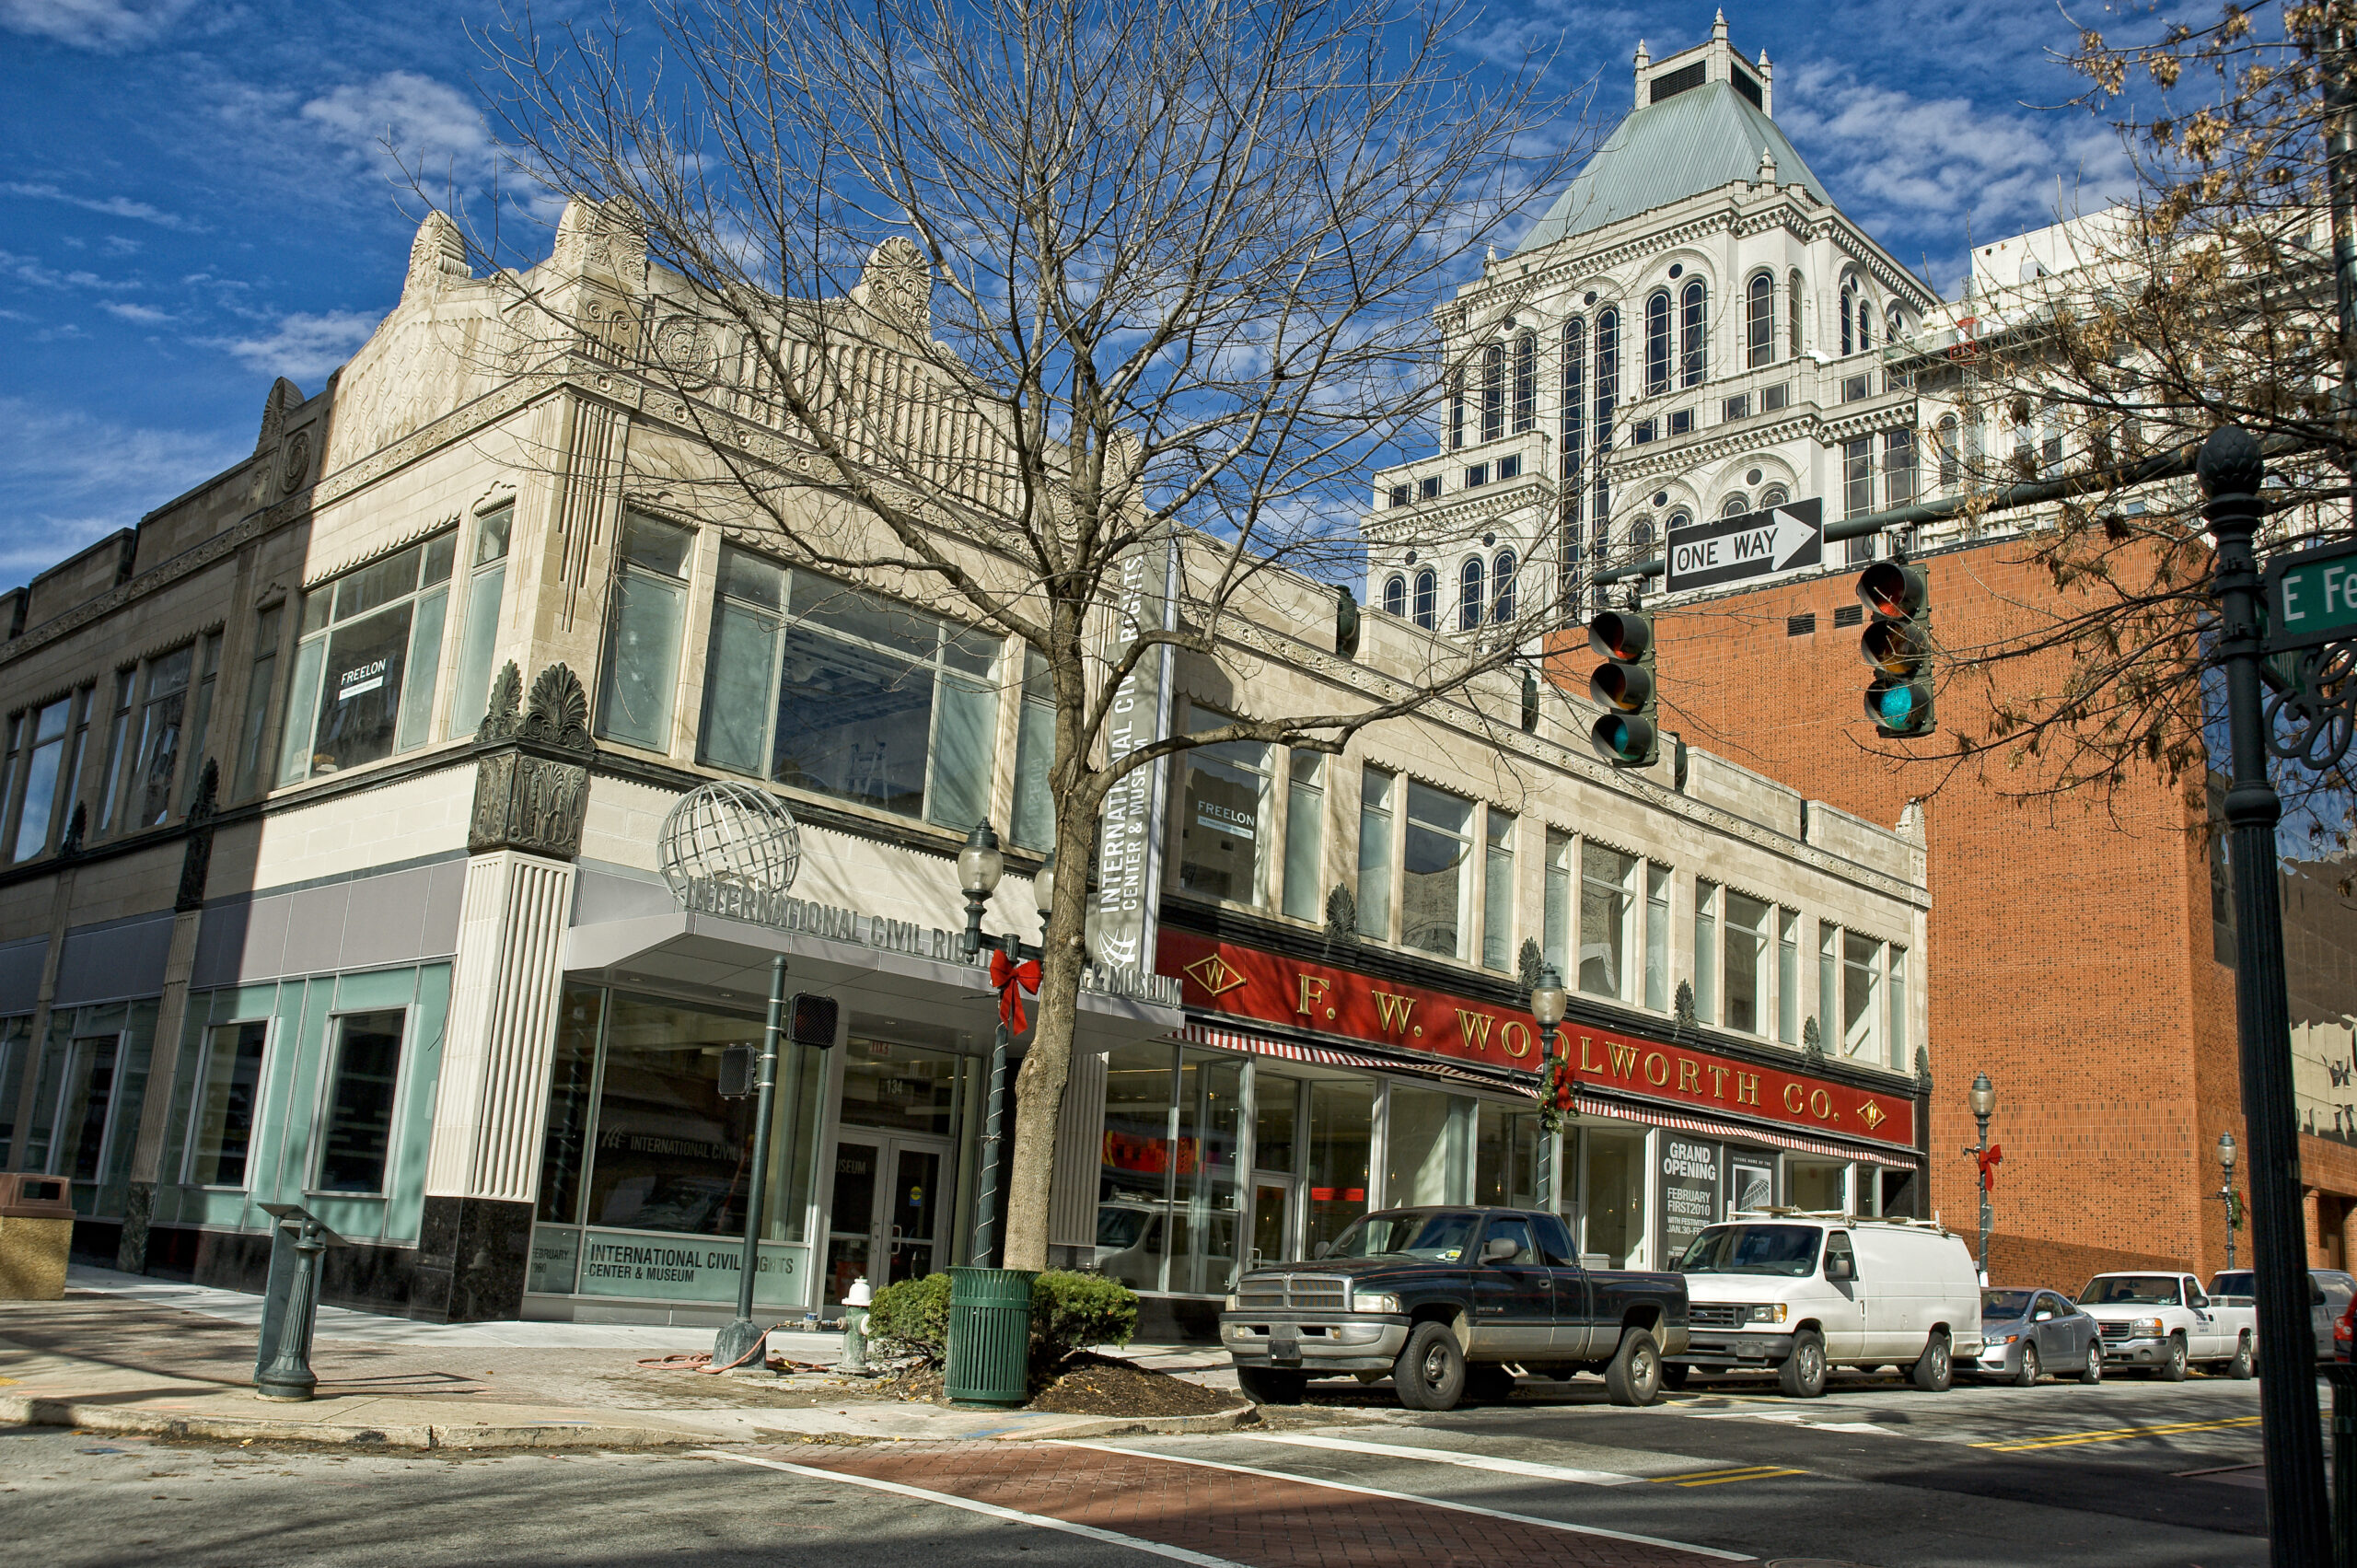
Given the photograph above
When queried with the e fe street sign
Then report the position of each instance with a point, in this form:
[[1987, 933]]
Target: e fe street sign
[[2311, 598], [1756, 544]]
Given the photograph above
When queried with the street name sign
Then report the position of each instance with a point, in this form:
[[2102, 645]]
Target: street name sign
[[1741, 549], [2312, 597]]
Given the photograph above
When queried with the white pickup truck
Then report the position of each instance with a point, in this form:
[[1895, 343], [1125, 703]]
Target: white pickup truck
[[2163, 1323]]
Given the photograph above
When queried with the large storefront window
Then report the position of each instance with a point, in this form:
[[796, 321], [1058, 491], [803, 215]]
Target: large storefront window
[[841, 692], [573, 1079], [1133, 1211], [642, 630], [1223, 832], [1505, 1155], [228, 1085], [1168, 1198], [1423, 1146], [668, 1152], [1341, 1128], [370, 644], [1614, 1184]]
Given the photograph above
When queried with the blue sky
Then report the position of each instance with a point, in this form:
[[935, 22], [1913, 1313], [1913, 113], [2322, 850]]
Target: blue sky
[[194, 198]]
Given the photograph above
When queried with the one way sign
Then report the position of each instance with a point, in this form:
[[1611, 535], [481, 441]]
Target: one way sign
[[1757, 544]]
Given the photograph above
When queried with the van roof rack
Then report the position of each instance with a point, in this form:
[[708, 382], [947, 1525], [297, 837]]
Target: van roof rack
[[1839, 1216]]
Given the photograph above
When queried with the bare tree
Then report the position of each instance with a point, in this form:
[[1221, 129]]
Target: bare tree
[[1033, 291], [2207, 297]]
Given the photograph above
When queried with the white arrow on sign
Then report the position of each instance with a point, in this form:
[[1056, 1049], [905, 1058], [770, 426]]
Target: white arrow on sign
[[1792, 536], [1777, 544]]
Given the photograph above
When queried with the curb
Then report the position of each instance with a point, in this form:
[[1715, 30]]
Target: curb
[[1111, 1425], [135, 1422]]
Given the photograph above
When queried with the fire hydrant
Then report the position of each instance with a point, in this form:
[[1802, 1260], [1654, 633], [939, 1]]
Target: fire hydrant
[[856, 1302]]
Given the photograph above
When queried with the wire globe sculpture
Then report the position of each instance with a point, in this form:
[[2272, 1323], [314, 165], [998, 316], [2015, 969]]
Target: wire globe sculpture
[[730, 849]]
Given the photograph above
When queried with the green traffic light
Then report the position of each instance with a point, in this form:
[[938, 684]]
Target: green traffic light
[[1896, 704]]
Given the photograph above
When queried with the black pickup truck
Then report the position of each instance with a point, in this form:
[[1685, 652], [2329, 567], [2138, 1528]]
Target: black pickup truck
[[1448, 1300]]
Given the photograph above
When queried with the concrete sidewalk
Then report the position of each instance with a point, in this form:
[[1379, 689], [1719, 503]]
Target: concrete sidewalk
[[129, 1354]]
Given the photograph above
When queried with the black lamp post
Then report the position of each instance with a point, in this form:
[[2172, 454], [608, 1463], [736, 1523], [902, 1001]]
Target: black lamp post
[[980, 864], [2227, 1188], [1984, 1105], [1547, 1004]]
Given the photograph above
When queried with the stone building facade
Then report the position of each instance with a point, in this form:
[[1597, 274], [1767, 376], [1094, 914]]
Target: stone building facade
[[332, 797]]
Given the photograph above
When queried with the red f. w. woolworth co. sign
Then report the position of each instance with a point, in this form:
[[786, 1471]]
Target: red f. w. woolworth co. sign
[[1250, 983]]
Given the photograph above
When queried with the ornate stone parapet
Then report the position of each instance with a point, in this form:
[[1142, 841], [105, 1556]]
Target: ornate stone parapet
[[532, 766]]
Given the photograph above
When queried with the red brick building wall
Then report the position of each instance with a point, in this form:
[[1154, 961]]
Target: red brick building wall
[[2070, 938]]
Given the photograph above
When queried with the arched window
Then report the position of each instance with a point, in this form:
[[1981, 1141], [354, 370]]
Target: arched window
[[1849, 312], [1493, 391], [1455, 409], [1608, 396], [1793, 313], [1658, 344], [1897, 318], [1526, 382], [1641, 539], [1427, 599], [1774, 495], [1735, 505], [1574, 411], [1866, 325], [1692, 336], [1395, 595], [1502, 586], [1951, 462], [1759, 323], [1469, 594]]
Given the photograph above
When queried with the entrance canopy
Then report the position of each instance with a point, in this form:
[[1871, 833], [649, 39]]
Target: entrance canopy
[[709, 955]]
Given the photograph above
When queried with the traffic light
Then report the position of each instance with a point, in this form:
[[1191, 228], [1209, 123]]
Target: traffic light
[[1897, 645], [1628, 734]]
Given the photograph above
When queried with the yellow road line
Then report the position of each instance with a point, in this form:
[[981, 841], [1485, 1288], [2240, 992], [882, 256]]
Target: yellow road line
[[2116, 1434], [1711, 1478]]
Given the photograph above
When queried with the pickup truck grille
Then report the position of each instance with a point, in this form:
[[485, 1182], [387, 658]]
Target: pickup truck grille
[[2115, 1330], [1713, 1315], [1315, 1293]]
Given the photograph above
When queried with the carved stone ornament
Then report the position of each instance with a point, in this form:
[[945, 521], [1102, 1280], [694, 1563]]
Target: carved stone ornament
[[1527, 964], [684, 348], [295, 467], [897, 285], [532, 767], [1341, 914], [196, 855]]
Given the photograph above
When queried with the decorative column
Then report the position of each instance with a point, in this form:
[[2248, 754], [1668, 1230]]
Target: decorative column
[[531, 791]]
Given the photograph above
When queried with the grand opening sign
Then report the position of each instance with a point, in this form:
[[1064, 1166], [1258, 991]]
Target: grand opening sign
[[1251, 984]]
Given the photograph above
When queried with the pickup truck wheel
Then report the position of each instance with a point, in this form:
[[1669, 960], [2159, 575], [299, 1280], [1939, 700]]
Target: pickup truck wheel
[[1267, 1385], [1803, 1375], [2172, 1369], [1429, 1373], [2241, 1365], [1488, 1382], [1933, 1372], [1674, 1374], [1633, 1377]]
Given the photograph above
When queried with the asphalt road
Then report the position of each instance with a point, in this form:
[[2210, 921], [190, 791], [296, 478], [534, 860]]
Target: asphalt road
[[2124, 1475]]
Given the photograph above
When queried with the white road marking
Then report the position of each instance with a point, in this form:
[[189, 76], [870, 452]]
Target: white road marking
[[1597, 1530], [1111, 1537], [1449, 1457], [1792, 1418]]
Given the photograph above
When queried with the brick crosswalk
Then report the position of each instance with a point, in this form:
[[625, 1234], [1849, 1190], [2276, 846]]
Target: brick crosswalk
[[1259, 1520]]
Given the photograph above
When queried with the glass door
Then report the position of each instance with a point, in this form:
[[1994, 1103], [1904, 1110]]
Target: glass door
[[1272, 1217], [851, 1215], [84, 1112], [914, 1210], [885, 1214]]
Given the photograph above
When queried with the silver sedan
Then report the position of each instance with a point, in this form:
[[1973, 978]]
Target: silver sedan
[[2027, 1333]]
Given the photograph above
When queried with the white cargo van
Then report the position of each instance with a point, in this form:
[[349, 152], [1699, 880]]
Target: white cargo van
[[1795, 1293]]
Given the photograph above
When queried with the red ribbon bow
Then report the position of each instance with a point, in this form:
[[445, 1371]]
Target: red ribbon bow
[[1008, 975], [1989, 1162]]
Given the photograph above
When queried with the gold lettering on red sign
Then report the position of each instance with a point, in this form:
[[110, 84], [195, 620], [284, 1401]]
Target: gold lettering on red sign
[[1516, 1030], [1656, 1059], [1587, 1047], [1689, 1076], [1820, 1105], [1475, 1028], [1624, 1060], [1746, 1088], [1718, 1076], [1392, 1010], [1792, 1098], [1313, 992]]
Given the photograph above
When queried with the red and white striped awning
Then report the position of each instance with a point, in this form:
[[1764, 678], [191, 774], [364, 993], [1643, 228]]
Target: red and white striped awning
[[1589, 1105], [1336, 1056]]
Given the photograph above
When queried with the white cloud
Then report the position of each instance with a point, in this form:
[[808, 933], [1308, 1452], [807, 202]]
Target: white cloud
[[112, 206], [433, 128], [67, 479], [145, 314], [301, 347], [93, 24]]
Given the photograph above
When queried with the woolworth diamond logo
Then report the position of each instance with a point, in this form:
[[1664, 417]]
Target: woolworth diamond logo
[[1215, 974]]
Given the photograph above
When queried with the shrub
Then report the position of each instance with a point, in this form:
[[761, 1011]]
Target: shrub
[[913, 1315], [1070, 1311]]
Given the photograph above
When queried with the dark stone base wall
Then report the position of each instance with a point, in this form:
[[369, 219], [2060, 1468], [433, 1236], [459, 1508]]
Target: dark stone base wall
[[367, 1276], [471, 1256], [1173, 1319]]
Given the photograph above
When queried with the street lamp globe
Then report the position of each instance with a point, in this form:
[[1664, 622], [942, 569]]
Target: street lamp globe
[[2227, 1152], [1547, 998], [1043, 887], [1984, 1096], [980, 863]]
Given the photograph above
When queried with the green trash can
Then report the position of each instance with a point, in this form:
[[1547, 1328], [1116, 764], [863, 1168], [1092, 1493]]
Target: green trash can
[[988, 1360]]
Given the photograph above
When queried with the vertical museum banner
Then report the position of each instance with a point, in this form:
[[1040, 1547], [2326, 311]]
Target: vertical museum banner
[[1129, 844]]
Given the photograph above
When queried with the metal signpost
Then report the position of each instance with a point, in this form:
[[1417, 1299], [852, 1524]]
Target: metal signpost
[[1743, 549]]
